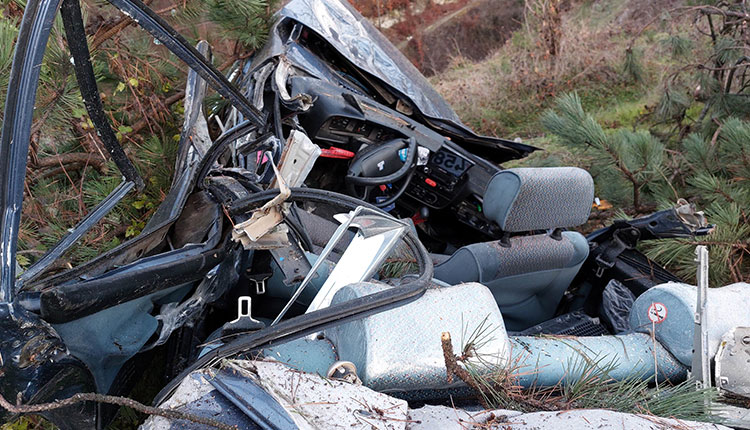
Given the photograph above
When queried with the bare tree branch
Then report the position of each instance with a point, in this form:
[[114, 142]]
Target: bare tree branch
[[113, 400]]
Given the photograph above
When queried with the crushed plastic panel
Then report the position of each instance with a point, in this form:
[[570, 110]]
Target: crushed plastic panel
[[264, 219]]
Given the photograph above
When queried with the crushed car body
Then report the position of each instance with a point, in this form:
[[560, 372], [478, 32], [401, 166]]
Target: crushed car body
[[341, 223]]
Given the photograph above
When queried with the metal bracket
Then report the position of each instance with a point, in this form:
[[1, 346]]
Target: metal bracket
[[701, 365], [260, 285]]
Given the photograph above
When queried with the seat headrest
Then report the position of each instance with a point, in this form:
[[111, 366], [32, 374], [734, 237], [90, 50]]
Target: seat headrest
[[542, 198]]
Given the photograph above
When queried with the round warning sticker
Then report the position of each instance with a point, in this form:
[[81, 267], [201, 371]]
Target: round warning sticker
[[657, 312]]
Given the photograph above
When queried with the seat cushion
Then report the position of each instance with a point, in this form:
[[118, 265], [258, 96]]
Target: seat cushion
[[527, 199], [527, 279], [487, 261]]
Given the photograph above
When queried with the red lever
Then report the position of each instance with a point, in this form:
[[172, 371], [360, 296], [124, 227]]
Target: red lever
[[339, 153]]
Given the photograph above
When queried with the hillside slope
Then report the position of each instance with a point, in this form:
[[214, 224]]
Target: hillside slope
[[505, 93]]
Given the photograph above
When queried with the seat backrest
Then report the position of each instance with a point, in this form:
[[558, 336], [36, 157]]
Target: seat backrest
[[528, 199], [528, 274]]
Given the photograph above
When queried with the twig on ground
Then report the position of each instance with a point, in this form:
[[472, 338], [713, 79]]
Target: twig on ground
[[113, 400], [53, 161]]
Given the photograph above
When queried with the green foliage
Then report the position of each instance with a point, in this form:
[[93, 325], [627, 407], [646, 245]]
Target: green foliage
[[8, 32], [398, 263], [636, 155], [673, 104], [678, 46], [28, 423], [246, 21], [715, 173], [725, 50], [639, 153], [595, 388], [575, 127], [57, 94], [632, 67]]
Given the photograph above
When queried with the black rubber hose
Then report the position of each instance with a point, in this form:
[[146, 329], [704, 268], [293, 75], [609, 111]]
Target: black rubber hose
[[219, 146], [277, 126]]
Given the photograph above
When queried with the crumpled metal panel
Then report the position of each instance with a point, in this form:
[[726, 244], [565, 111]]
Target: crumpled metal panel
[[197, 396], [36, 366], [362, 44], [731, 362], [311, 401], [399, 350]]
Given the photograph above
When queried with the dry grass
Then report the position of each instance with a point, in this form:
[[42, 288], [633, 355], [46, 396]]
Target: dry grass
[[504, 94]]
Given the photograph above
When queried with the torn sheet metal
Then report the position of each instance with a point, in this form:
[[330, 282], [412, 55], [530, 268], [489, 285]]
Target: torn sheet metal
[[284, 70], [688, 215], [731, 373], [197, 395], [448, 418], [266, 218], [315, 402]]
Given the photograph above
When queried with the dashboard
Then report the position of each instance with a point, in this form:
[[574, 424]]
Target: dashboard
[[448, 183], [439, 182], [449, 162]]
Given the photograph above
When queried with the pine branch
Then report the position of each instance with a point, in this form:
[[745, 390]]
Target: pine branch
[[169, 101], [71, 158], [454, 369], [104, 34]]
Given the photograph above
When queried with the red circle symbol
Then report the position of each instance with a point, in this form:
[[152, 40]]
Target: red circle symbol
[[657, 312]]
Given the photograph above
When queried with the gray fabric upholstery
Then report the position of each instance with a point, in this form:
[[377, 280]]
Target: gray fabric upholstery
[[527, 199], [527, 279]]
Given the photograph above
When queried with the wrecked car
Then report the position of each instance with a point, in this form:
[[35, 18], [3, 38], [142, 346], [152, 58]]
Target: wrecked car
[[342, 223]]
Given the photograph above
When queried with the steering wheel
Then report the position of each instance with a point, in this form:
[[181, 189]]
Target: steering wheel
[[382, 158]]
